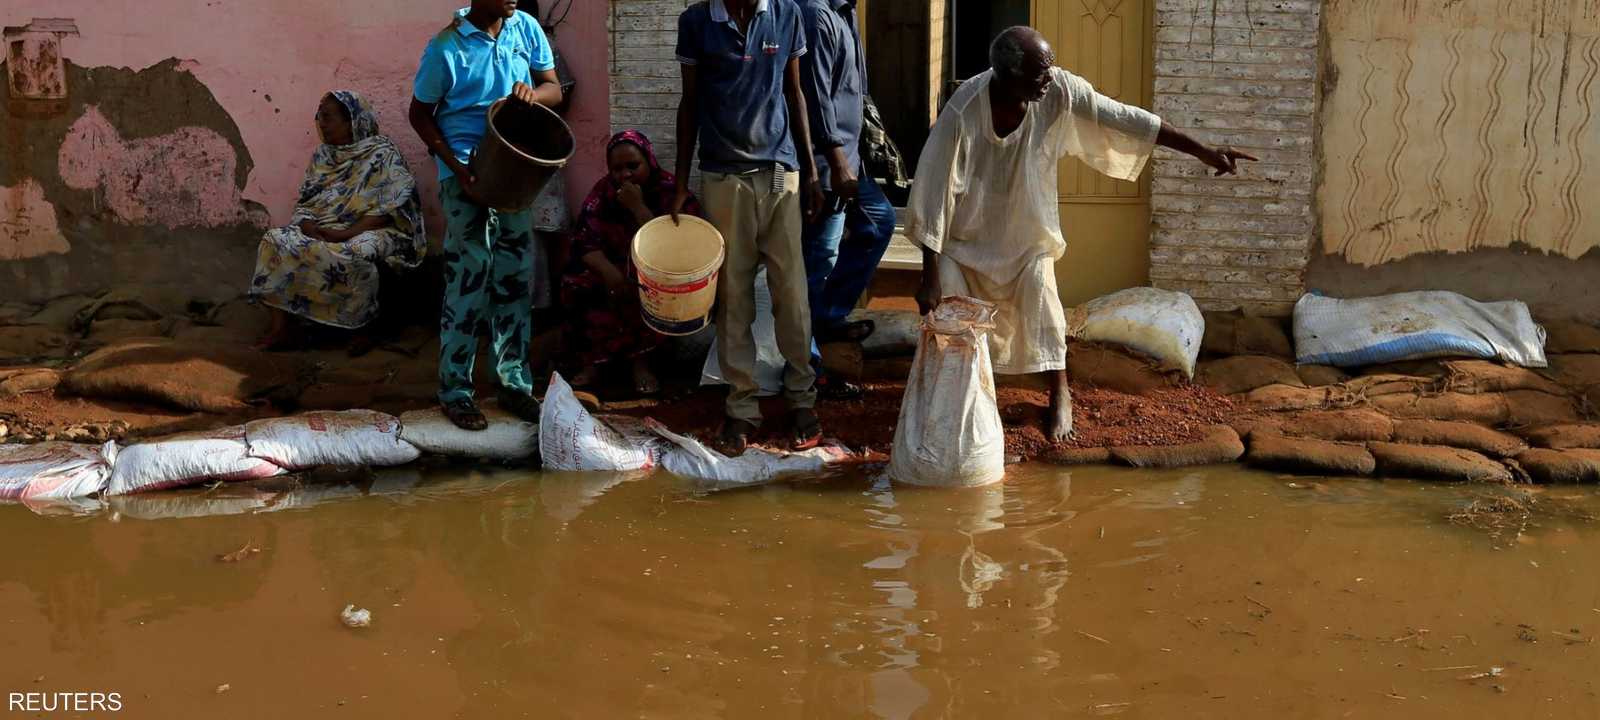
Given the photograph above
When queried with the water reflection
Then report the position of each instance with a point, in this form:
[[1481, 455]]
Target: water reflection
[[498, 592]]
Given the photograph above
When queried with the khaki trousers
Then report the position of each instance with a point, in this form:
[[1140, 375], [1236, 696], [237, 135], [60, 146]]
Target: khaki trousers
[[760, 223]]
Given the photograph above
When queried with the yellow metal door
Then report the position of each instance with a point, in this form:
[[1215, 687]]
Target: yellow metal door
[[1106, 222]]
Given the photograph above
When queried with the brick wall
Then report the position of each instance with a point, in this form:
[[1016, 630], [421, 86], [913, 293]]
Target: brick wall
[[644, 70], [1241, 73]]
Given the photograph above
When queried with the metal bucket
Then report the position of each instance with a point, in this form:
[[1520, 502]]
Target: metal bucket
[[524, 146]]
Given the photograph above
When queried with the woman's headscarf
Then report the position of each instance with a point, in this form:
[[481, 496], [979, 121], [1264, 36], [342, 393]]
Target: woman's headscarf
[[603, 223], [367, 177]]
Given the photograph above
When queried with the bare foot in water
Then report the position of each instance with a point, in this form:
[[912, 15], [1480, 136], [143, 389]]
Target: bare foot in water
[[1058, 426]]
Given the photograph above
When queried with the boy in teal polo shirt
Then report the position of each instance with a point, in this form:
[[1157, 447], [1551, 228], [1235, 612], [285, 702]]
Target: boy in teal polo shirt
[[490, 51]]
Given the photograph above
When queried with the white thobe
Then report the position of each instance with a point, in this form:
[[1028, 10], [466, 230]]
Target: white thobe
[[988, 205]]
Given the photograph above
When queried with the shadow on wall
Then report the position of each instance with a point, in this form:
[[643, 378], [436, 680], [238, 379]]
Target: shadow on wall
[[134, 178], [1553, 286]]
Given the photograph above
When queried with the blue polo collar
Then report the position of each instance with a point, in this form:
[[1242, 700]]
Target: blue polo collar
[[719, 10], [467, 29]]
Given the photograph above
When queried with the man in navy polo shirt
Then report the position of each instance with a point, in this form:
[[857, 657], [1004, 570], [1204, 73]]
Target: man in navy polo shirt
[[489, 51], [743, 103]]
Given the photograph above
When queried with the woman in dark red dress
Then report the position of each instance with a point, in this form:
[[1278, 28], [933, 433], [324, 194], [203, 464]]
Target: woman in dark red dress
[[599, 286]]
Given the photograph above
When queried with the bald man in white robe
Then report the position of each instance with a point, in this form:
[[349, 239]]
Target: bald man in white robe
[[984, 203]]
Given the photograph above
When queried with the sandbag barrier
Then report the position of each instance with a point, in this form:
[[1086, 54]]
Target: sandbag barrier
[[573, 440]]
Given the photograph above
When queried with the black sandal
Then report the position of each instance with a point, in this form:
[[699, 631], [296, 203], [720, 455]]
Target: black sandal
[[522, 405], [735, 436], [853, 331], [466, 415], [837, 388], [806, 427]]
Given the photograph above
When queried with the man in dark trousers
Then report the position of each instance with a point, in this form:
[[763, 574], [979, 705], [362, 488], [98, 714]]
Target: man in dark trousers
[[489, 51], [834, 75], [743, 103]]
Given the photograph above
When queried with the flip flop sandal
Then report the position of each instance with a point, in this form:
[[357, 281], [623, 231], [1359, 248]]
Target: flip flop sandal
[[646, 386], [835, 388], [854, 331], [734, 438], [807, 429], [466, 415]]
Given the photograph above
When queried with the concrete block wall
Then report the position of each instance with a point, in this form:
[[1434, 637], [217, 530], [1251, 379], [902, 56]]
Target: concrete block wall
[[1242, 73], [645, 81]]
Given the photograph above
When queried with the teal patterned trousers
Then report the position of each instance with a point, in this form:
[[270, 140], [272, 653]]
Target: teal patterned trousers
[[488, 265]]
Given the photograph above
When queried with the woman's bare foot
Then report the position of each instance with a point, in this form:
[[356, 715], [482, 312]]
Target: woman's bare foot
[[644, 380], [278, 334], [586, 377]]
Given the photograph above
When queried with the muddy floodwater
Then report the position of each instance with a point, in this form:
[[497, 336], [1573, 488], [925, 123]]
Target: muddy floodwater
[[1062, 593]]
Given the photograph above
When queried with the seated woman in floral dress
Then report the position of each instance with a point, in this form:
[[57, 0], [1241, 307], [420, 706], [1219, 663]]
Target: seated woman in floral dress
[[358, 206], [599, 290]]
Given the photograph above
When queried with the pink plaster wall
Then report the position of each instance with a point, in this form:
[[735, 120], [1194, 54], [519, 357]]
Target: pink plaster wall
[[269, 61]]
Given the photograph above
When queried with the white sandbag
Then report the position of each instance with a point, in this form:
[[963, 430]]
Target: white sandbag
[[1414, 326], [188, 459], [507, 438], [572, 439], [348, 438], [54, 470], [688, 458], [1163, 324], [769, 361], [949, 433]]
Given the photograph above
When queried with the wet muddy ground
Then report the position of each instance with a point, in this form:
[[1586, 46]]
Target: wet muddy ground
[[1061, 593]]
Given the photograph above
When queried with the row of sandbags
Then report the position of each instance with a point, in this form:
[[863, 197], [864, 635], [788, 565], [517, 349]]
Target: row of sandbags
[[1168, 327], [572, 440], [1360, 442]]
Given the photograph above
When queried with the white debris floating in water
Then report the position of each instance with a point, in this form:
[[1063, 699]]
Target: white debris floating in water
[[356, 618]]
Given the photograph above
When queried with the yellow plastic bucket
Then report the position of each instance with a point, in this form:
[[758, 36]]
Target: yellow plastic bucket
[[678, 266]]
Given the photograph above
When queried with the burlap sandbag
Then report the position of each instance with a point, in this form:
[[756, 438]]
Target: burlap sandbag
[[1313, 457], [18, 342], [1431, 462], [1483, 376], [190, 377], [1371, 386], [27, 380], [1219, 445], [1571, 336], [1352, 425], [116, 329], [1077, 456], [1578, 371], [1284, 397], [1320, 375], [1528, 407], [1243, 373], [1466, 436], [1484, 408], [1561, 466], [1101, 366], [1565, 436], [1231, 333]]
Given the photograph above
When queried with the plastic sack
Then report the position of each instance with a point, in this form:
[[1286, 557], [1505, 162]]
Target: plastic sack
[[949, 433], [1163, 324], [187, 459], [1414, 326], [572, 439], [507, 438], [769, 362], [349, 438], [54, 470], [688, 458]]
